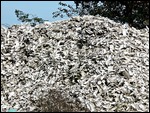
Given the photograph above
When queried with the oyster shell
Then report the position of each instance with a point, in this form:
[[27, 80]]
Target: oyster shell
[[104, 64]]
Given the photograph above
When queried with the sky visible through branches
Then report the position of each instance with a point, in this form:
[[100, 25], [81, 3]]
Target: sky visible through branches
[[41, 9]]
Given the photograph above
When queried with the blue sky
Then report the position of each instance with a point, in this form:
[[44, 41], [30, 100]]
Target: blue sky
[[42, 9]]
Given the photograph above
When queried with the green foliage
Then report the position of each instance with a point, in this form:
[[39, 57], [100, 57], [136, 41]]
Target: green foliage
[[135, 13], [68, 10], [25, 18], [132, 12]]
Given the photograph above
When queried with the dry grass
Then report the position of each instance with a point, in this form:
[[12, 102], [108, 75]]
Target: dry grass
[[55, 102]]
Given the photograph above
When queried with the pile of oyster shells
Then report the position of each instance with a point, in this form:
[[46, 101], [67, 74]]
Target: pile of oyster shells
[[95, 60]]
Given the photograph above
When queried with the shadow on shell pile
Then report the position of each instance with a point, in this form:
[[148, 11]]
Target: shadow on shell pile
[[102, 64]]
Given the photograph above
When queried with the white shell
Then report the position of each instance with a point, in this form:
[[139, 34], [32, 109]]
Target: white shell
[[82, 55]]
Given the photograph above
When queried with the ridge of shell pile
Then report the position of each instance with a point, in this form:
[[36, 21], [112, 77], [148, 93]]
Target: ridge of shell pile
[[83, 56]]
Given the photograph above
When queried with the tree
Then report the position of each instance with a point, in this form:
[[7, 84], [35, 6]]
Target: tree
[[23, 17], [132, 12], [68, 10], [135, 13]]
